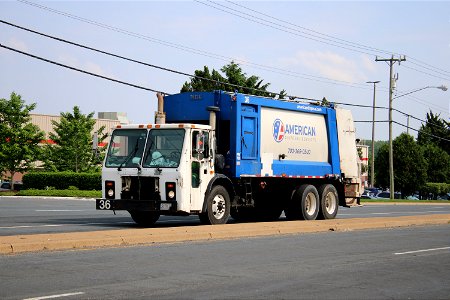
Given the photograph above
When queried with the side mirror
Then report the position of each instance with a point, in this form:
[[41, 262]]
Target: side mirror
[[200, 145]]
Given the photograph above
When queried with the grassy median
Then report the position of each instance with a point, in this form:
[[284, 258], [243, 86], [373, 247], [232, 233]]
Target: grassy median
[[55, 193]]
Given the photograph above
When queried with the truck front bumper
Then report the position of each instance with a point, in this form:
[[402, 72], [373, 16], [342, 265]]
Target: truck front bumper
[[136, 205]]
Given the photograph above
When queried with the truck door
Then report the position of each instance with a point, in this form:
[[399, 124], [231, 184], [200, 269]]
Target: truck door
[[249, 137], [249, 156], [201, 167]]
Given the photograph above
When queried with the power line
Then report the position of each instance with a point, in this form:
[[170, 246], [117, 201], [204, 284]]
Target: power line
[[422, 132], [427, 104], [385, 108], [406, 126], [329, 40], [254, 65], [82, 71], [421, 63], [426, 73], [200, 52], [141, 62], [316, 36], [173, 71], [307, 29]]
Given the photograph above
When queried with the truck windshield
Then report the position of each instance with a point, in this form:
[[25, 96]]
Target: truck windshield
[[126, 148], [164, 148]]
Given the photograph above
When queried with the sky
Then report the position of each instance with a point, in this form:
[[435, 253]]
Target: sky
[[312, 49]]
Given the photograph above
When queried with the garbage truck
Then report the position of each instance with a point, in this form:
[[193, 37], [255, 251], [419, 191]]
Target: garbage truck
[[220, 155]]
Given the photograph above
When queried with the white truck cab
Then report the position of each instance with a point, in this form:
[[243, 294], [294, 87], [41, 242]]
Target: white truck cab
[[157, 169]]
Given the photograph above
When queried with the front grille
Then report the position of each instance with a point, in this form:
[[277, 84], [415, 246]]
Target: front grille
[[140, 188]]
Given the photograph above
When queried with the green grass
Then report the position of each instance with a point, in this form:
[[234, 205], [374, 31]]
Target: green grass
[[8, 193], [61, 193]]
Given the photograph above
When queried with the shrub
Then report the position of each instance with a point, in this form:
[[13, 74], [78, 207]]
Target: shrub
[[60, 193], [62, 180], [436, 188]]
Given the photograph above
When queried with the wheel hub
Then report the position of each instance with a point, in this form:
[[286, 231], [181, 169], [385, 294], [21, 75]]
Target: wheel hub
[[218, 207]]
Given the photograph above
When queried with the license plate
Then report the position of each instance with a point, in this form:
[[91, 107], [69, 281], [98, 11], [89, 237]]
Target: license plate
[[165, 206]]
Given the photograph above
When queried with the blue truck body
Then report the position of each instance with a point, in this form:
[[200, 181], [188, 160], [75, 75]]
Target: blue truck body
[[240, 132]]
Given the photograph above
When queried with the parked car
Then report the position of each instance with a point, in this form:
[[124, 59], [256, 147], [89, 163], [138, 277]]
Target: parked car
[[444, 197], [387, 195], [373, 191], [6, 186]]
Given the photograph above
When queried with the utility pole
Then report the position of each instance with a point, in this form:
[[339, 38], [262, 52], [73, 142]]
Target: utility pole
[[391, 62], [372, 164], [407, 125]]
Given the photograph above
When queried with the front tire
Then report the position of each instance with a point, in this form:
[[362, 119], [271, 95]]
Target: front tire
[[144, 218], [217, 207]]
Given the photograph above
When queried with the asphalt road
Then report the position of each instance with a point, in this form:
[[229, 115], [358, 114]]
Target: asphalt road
[[21, 215], [406, 263]]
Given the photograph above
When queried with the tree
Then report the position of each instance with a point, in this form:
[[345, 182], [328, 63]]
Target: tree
[[234, 76], [382, 166], [410, 166], [430, 131], [72, 150], [19, 138], [438, 164]]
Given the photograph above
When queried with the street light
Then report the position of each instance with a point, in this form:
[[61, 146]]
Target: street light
[[391, 151], [372, 164], [441, 87]]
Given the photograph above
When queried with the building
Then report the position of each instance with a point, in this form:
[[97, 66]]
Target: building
[[108, 119]]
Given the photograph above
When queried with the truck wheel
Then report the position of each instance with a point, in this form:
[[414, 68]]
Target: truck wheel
[[217, 206], [144, 218], [304, 204], [329, 201]]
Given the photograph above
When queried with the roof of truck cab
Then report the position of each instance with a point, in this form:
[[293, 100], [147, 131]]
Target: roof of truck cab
[[163, 126]]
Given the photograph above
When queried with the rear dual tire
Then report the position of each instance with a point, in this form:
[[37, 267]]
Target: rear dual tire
[[304, 204], [329, 202], [308, 203]]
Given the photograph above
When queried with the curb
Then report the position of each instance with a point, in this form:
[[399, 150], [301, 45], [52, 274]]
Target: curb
[[49, 198], [148, 236]]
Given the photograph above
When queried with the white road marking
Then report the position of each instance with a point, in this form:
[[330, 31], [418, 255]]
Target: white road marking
[[55, 296], [58, 210], [88, 224], [60, 225], [31, 226], [394, 213], [424, 250]]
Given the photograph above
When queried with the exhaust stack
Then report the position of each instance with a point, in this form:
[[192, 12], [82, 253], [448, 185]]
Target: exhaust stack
[[160, 115], [212, 116]]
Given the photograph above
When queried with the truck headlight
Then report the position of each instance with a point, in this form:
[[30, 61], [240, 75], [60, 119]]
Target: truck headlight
[[109, 188], [110, 193], [171, 190]]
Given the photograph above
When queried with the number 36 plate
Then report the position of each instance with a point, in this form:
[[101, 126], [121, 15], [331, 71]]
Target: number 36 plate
[[103, 204]]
